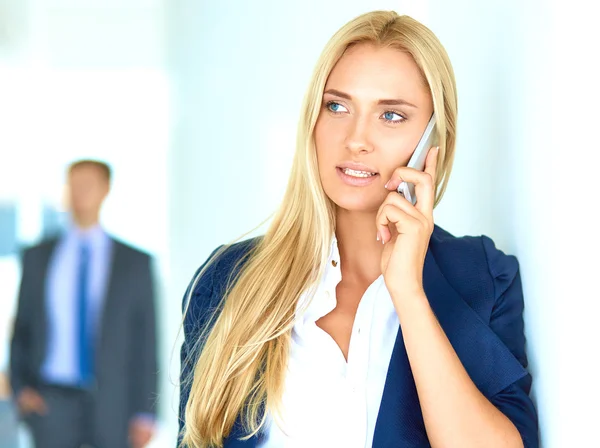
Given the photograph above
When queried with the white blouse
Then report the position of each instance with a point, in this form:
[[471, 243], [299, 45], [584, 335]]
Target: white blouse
[[328, 402]]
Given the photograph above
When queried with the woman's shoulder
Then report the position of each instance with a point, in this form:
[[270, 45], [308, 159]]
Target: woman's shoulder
[[203, 296], [477, 254], [473, 265], [220, 266]]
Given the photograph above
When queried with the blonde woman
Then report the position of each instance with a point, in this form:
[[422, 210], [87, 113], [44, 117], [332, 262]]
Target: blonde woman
[[355, 321]]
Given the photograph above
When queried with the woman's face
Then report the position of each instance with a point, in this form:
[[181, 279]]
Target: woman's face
[[375, 109]]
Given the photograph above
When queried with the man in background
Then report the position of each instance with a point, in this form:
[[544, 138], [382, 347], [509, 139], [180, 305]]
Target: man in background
[[83, 352]]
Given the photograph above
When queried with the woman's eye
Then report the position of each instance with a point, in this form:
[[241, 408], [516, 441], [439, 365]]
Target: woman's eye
[[393, 117], [336, 107]]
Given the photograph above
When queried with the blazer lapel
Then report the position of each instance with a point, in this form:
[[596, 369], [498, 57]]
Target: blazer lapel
[[489, 363], [117, 268], [40, 307], [44, 265], [399, 422], [46, 257]]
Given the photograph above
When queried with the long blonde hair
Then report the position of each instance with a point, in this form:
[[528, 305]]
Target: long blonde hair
[[242, 364]]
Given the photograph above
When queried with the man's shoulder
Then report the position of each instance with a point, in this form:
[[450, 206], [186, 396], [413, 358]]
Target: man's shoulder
[[129, 249], [39, 248]]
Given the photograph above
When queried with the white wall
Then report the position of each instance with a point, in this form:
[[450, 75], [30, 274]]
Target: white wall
[[526, 94], [573, 218]]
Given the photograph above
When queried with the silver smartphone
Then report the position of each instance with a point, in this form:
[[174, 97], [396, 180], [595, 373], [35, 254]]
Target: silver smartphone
[[417, 160]]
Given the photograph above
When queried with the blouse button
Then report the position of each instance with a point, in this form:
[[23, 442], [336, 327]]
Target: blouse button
[[334, 263]]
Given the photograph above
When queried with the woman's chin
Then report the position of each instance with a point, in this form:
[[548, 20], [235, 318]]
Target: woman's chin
[[357, 203]]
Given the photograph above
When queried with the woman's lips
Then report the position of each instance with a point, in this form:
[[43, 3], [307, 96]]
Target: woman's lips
[[356, 181]]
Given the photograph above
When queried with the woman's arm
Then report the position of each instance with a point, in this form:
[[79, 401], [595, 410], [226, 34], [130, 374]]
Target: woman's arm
[[455, 412]]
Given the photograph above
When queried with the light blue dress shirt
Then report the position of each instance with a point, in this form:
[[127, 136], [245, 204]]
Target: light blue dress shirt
[[61, 364]]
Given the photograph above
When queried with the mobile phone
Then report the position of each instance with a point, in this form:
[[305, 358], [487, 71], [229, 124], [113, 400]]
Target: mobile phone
[[417, 160]]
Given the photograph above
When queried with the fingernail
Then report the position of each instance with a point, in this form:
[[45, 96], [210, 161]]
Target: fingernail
[[378, 237], [386, 185]]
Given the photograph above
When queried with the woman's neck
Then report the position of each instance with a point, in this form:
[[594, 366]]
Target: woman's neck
[[360, 252]]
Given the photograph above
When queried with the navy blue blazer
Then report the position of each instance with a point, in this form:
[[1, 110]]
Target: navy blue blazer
[[474, 290]]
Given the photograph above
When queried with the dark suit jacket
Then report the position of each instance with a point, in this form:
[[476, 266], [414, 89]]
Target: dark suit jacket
[[126, 362], [475, 292]]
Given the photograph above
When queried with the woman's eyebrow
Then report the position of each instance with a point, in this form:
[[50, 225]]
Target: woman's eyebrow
[[338, 93], [386, 102], [396, 102]]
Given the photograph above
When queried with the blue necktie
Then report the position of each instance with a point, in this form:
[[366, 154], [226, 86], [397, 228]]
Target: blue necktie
[[84, 339]]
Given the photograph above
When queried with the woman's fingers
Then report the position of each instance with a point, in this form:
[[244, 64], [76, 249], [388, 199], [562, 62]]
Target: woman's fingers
[[398, 213], [424, 182]]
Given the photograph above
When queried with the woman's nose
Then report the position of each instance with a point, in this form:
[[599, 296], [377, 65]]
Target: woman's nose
[[358, 137]]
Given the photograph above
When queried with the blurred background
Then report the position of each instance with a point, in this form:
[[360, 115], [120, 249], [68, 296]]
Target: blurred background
[[194, 104]]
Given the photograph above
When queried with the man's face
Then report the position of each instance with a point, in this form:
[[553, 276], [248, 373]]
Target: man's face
[[87, 189]]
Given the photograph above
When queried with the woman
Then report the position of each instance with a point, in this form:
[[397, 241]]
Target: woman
[[354, 321]]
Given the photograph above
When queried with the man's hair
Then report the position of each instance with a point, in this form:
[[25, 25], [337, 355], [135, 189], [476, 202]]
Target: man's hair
[[102, 166]]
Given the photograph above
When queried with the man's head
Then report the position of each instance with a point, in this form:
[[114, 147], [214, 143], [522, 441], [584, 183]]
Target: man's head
[[88, 185]]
